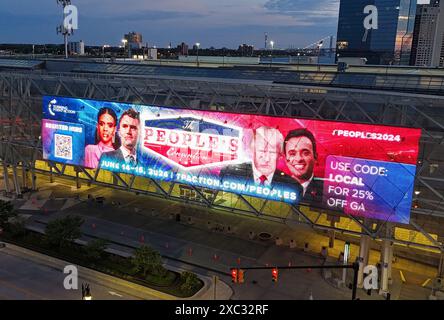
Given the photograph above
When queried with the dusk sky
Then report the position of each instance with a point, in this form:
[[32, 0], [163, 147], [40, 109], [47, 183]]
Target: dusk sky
[[218, 23]]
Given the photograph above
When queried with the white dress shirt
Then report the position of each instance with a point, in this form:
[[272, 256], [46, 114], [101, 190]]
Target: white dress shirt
[[127, 155], [306, 184], [257, 176]]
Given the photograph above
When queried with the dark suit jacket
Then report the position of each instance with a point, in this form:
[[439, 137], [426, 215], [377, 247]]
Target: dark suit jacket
[[245, 170], [114, 156], [313, 195]]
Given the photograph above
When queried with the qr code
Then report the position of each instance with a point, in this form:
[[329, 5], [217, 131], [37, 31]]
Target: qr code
[[63, 146]]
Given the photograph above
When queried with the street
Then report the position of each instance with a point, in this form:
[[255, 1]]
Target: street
[[22, 278]]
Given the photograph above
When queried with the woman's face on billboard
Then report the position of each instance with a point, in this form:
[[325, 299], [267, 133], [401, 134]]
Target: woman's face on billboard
[[106, 128]]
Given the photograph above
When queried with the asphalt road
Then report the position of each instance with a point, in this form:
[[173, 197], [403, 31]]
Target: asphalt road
[[24, 279]]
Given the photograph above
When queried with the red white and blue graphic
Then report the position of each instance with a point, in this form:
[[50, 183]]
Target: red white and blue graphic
[[191, 142]]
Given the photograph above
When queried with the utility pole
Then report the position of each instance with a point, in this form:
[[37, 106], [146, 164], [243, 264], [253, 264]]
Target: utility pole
[[215, 279], [320, 44], [197, 46]]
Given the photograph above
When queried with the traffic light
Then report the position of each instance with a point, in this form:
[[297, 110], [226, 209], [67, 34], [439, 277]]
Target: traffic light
[[274, 274], [234, 275], [240, 276], [86, 292]]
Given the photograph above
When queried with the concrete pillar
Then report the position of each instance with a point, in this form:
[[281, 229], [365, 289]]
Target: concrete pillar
[[441, 266], [331, 240], [332, 233], [24, 177], [51, 174], [77, 179], [387, 246], [390, 279], [440, 273], [16, 182], [33, 180], [6, 178], [364, 250]]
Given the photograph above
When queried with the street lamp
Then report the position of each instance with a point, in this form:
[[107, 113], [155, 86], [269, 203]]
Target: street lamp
[[299, 55], [197, 46], [320, 44], [271, 55], [86, 292], [124, 41], [103, 51]]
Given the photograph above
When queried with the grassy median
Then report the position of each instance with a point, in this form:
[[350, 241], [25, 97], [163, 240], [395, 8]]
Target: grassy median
[[145, 268]]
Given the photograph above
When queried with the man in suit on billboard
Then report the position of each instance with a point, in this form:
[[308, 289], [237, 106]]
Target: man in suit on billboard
[[129, 134], [266, 147], [301, 155]]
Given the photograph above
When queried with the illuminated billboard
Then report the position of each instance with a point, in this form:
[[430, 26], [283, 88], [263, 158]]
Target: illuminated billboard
[[355, 169]]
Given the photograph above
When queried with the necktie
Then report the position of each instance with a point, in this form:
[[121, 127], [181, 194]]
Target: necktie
[[263, 178], [132, 161]]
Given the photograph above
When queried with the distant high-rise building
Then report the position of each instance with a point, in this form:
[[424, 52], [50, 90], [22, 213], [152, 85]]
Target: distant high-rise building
[[134, 39], [151, 54], [183, 49], [76, 47], [246, 50], [428, 35], [391, 43]]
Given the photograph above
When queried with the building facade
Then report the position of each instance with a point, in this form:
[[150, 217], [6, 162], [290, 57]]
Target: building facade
[[182, 49], [135, 40], [76, 47], [246, 50], [390, 43], [428, 35]]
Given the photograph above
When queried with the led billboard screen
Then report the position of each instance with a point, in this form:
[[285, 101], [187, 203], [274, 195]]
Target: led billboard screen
[[356, 169]]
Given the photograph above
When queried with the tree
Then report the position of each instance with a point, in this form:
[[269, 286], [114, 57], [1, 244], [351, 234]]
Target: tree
[[6, 212], [190, 282], [95, 249], [61, 232], [147, 260], [17, 228]]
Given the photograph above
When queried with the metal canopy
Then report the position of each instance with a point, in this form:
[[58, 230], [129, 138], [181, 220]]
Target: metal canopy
[[402, 83], [20, 64]]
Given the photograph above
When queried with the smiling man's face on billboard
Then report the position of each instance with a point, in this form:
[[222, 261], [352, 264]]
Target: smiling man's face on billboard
[[300, 158]]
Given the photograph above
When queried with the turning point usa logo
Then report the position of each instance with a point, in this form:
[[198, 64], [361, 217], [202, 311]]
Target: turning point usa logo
[[54, 108]]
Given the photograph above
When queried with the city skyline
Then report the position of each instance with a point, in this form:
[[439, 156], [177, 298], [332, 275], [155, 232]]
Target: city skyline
[[289, 23]]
